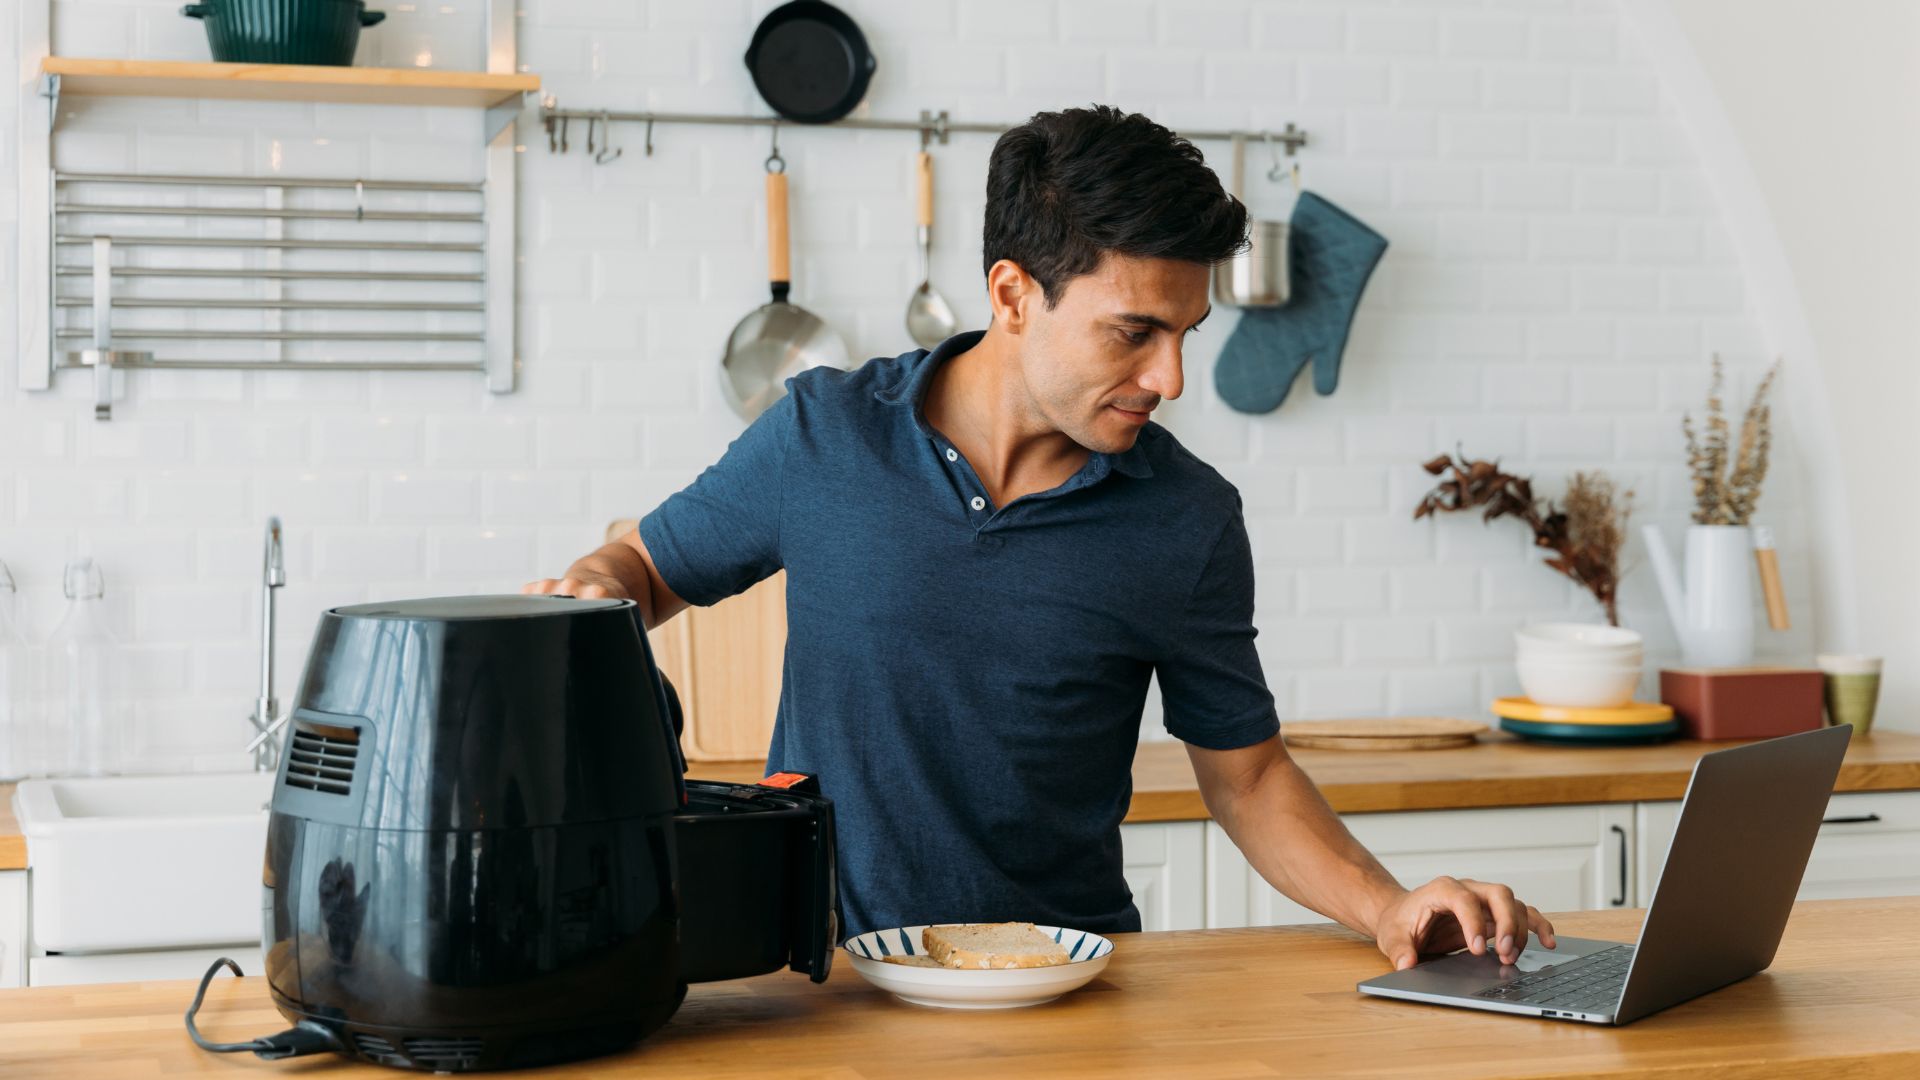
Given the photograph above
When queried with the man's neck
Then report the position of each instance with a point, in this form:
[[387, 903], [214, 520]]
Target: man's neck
[[979, 400]]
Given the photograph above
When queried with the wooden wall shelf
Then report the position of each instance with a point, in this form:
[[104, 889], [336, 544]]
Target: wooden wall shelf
[[285, 82]]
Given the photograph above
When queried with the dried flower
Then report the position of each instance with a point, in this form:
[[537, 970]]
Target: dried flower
[[1585, 538], [1721, 497]]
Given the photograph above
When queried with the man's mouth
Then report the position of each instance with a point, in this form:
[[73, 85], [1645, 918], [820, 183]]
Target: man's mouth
[[1136, 415]]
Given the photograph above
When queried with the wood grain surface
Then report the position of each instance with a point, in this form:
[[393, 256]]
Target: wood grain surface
[[286, 82], [1499, 770], [1842, 1000]]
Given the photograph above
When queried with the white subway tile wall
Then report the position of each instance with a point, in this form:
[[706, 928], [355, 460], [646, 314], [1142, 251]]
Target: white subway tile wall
[[1557, 278]]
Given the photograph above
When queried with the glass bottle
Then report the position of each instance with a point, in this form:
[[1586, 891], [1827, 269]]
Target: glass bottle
[[19, 750], [82, 656]]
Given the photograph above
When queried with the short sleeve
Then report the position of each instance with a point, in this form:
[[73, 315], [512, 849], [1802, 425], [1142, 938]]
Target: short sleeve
[[720, 534], [1211, 685]]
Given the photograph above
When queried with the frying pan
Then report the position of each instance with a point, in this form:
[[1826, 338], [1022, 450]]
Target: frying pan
[[776, 340], [810, 62]]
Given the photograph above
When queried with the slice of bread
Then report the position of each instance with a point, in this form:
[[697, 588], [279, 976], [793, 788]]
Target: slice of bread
[[922, 960], [992, 945]]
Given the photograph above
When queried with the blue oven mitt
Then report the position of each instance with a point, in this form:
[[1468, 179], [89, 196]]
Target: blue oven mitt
[[1331, 255]]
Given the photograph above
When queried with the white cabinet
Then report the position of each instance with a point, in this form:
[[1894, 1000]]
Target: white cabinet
[[1557, 858], [13, 928], [1165, 868], [1868, 846]]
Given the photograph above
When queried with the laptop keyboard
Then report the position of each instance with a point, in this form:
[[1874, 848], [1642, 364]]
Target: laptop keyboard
[[1591, 983]]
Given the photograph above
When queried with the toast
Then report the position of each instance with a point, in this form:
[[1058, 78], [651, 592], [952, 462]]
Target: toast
[[992, 945], [921, 960]]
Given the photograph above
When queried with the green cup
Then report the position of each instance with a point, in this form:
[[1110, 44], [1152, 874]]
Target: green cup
[[1852, 689]]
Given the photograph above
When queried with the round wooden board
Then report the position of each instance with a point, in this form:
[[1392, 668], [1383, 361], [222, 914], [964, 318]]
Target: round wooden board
[[1393, 733]]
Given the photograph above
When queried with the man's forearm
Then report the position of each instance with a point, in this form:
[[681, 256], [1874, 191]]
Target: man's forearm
[[1298, 844]]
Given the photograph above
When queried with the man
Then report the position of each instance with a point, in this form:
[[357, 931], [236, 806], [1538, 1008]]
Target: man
[[990, 550]]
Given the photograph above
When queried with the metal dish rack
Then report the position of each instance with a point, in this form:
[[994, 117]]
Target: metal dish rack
[[211, 272]]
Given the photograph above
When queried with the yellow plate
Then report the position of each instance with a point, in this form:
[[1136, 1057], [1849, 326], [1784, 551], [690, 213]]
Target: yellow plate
[[1638, 712]]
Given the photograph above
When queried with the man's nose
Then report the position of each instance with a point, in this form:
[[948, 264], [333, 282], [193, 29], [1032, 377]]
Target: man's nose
[[1164, 376]]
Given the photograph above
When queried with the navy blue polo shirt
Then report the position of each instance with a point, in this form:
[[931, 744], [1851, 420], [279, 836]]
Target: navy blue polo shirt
[[967, 680]]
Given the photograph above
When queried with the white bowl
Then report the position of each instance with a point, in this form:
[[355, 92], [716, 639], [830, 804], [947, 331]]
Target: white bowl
[[955, 988], [1624, 658], [1582, 685], [1576, 637]]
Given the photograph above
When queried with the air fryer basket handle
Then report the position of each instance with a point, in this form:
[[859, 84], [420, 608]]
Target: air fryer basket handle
[[816, 930]]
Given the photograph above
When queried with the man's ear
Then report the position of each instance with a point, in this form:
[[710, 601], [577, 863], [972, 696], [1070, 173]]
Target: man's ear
[[1011, 292]]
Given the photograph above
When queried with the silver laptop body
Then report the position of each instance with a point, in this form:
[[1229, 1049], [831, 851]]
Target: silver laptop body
[[1746, 827]]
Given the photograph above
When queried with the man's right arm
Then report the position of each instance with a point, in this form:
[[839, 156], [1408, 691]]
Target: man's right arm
[[621, 570]]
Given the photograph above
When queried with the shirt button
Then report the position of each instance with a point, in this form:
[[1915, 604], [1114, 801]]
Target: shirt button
[[952, 455], [978, 503]]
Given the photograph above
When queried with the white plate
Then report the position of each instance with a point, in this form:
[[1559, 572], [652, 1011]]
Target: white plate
[[996, 988]]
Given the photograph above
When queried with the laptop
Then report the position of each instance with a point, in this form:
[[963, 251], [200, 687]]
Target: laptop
[[1746, 827]]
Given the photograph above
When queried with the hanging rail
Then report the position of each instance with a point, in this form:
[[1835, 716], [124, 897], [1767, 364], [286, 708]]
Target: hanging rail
[[931, 126]]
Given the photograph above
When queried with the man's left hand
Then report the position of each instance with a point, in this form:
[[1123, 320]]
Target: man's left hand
[[1446, 914]]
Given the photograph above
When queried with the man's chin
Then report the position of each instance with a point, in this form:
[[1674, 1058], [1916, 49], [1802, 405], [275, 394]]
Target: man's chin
[[1110, 438]]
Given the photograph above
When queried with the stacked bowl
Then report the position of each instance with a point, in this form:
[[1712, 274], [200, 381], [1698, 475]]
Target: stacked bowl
[[1579, 680], [1578, 665]]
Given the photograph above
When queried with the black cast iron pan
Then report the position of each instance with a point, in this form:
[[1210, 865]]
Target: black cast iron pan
[[810, 62]]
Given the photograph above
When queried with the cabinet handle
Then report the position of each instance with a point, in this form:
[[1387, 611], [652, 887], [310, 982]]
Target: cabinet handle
[[1621, 900], [1856, 819]]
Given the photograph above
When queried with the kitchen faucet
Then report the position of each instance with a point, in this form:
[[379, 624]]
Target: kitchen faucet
[[266, 718]]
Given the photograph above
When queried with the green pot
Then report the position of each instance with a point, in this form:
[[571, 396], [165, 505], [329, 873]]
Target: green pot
[[284, 31]]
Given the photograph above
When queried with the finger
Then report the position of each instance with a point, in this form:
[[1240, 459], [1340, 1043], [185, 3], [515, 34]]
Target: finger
[[591, 592], [1468, 911], [1509, 934], [539, 588], [1542, 928]]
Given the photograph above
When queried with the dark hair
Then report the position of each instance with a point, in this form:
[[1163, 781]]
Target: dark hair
[[1067, 187]]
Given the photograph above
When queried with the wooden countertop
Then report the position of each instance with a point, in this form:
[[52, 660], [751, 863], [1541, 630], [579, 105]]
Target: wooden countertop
[[1497, 771], [1842, 999]]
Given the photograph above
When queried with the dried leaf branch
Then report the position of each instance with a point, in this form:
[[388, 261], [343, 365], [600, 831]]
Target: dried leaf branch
[[1585, 538], [1720, 496]]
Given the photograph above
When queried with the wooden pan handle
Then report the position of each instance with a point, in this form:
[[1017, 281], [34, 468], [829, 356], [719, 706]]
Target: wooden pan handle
[[1770, 587], [926, 188], [778, 272]]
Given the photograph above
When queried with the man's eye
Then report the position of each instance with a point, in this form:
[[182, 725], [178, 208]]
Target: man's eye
[[1136, 337]]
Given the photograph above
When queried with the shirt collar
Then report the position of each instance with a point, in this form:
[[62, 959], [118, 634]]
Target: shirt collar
[[911, 391]]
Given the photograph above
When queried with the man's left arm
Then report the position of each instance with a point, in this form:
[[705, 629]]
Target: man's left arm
[[1285, 828]]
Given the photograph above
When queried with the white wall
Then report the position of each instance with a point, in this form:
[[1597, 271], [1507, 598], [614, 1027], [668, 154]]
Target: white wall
[[1805, 117], [1559, 273]]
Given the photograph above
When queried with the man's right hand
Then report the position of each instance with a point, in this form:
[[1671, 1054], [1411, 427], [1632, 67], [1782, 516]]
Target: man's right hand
[[579, 583]]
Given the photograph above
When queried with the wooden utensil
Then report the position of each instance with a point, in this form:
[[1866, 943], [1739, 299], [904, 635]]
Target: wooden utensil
[[1388, 733]]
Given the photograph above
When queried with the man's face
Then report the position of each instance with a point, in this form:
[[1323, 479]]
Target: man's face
[[1100, 362]]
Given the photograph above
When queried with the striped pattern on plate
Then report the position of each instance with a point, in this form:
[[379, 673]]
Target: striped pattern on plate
[[905, 941]]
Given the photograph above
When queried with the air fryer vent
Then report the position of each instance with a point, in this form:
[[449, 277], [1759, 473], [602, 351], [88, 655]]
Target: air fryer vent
[[444, 1053], [377, 1050], [321, 758]]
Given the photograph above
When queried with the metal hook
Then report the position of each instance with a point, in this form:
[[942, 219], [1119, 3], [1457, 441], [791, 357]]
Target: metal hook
[[775, 157], [1273, 150], [359, 200], [649, 136], [563, 134], [606, 140]]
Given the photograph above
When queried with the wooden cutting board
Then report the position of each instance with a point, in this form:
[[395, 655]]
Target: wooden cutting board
[[1394, 733], [725, 662]]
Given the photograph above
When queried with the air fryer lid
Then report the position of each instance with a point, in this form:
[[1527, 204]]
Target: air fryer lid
[[515, 710]]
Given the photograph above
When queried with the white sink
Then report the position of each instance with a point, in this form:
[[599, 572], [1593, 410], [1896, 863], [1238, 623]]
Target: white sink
[[141, 862]]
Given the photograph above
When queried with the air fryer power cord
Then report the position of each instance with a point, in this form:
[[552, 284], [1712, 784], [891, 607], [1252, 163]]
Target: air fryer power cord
[[305, 1037]]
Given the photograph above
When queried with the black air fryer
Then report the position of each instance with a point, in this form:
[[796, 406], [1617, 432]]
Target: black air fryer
[[482, 854]]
